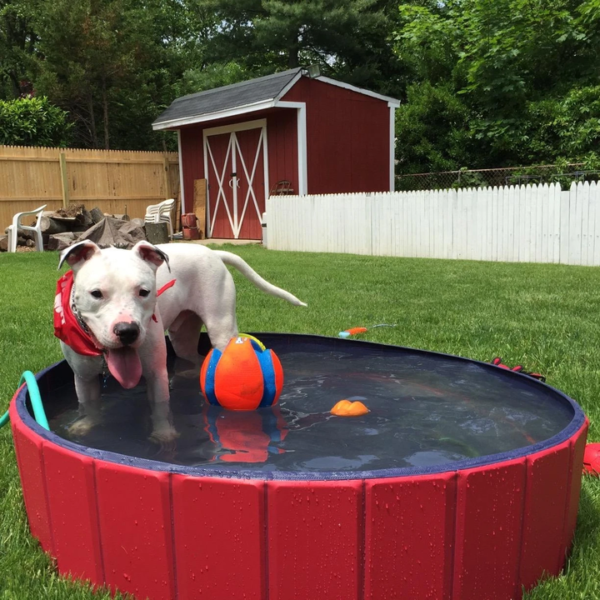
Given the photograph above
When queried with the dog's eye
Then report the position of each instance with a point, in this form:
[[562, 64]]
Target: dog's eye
[[96, 294], [144, 293]]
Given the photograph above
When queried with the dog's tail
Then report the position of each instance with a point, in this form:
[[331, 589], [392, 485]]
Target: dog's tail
[[247, 271]]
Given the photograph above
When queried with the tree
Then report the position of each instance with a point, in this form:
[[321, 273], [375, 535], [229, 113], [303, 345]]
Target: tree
[[113, 65], [33, 122], [519, 68], [17, 46], [89, 55], [347, 38], [432, 130]]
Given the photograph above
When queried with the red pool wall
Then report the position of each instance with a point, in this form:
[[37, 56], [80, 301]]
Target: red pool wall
[[470, 534]]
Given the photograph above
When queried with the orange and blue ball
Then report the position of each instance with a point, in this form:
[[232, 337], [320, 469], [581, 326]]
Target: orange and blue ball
[[245, 376]]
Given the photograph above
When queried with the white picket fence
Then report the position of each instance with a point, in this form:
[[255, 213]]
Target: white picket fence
[[517, 223]]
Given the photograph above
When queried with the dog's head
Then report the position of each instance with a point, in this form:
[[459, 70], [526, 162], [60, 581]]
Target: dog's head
[[114, 294]]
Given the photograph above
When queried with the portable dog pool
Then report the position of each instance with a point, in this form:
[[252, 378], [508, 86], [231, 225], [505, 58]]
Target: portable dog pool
[[462, 481]]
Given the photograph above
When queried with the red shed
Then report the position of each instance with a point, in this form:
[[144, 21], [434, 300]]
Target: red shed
[[283, 133]]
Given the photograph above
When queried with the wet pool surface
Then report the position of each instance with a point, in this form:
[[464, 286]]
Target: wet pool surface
[[425, 410]]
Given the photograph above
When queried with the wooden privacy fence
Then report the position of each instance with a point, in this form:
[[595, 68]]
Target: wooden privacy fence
[[115, 181], [517, 223]]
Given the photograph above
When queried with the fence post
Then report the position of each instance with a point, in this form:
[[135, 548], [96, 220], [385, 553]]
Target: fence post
[[64, 180], [199, 206], [167, 176], [564, 228]]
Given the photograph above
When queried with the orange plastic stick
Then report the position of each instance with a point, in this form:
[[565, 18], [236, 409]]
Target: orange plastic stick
[[356, 330]]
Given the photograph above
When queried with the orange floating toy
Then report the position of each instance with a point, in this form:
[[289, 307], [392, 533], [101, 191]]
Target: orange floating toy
[[348, 408]]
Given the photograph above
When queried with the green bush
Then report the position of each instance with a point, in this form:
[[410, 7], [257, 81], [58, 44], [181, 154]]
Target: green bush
[[33, 122]]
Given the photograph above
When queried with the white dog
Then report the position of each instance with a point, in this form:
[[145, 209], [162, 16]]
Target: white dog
[[107, 312]]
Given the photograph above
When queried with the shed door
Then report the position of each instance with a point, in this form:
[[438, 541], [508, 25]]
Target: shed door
[[235, 165]]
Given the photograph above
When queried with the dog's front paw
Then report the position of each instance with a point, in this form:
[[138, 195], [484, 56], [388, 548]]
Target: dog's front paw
[[83, 426], [164, 435]]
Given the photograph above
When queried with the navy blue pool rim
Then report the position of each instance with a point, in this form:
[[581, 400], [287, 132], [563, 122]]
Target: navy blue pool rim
[[61, 369]]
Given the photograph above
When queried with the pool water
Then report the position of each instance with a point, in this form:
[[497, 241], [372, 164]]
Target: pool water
[[425, 410]]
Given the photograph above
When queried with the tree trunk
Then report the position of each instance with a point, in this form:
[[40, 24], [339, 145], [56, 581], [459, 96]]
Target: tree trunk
[[293, 58], [93, 122], [14, 80]]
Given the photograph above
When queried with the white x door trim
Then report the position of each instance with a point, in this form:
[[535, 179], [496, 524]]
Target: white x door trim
[[234, 152]]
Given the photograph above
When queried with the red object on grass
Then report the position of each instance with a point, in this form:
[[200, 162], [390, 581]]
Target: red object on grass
[[356, 330], [517, 369], [591, 459]]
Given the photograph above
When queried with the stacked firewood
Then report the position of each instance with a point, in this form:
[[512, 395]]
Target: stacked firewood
[[74, 224]]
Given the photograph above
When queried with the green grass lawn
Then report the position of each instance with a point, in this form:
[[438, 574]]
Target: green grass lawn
[[546, 317]]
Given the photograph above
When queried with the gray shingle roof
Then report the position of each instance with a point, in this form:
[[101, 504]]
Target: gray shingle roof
[[228, 97]]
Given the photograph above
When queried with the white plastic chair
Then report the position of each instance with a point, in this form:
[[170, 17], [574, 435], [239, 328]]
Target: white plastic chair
[[161, 213], [13, 233]]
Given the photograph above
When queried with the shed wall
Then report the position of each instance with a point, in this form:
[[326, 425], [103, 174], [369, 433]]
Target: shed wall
[[348, 138], [192, 163], [282, 139]]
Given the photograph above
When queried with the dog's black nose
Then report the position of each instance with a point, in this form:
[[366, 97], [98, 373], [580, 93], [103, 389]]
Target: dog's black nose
[[127, 332]]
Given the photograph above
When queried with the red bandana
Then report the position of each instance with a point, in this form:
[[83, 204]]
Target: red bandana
[[66, 325]]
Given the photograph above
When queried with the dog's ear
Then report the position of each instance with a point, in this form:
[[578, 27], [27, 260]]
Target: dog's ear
[[151, 254], [77, 254]]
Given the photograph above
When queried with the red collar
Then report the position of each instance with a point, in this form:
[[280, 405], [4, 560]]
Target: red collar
[[165, 287], [66, 326]]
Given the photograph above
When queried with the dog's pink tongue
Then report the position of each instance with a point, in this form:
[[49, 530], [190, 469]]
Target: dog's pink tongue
[[125, 366]]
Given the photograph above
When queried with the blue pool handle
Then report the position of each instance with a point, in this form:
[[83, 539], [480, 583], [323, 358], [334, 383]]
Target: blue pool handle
[[36, 401]]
